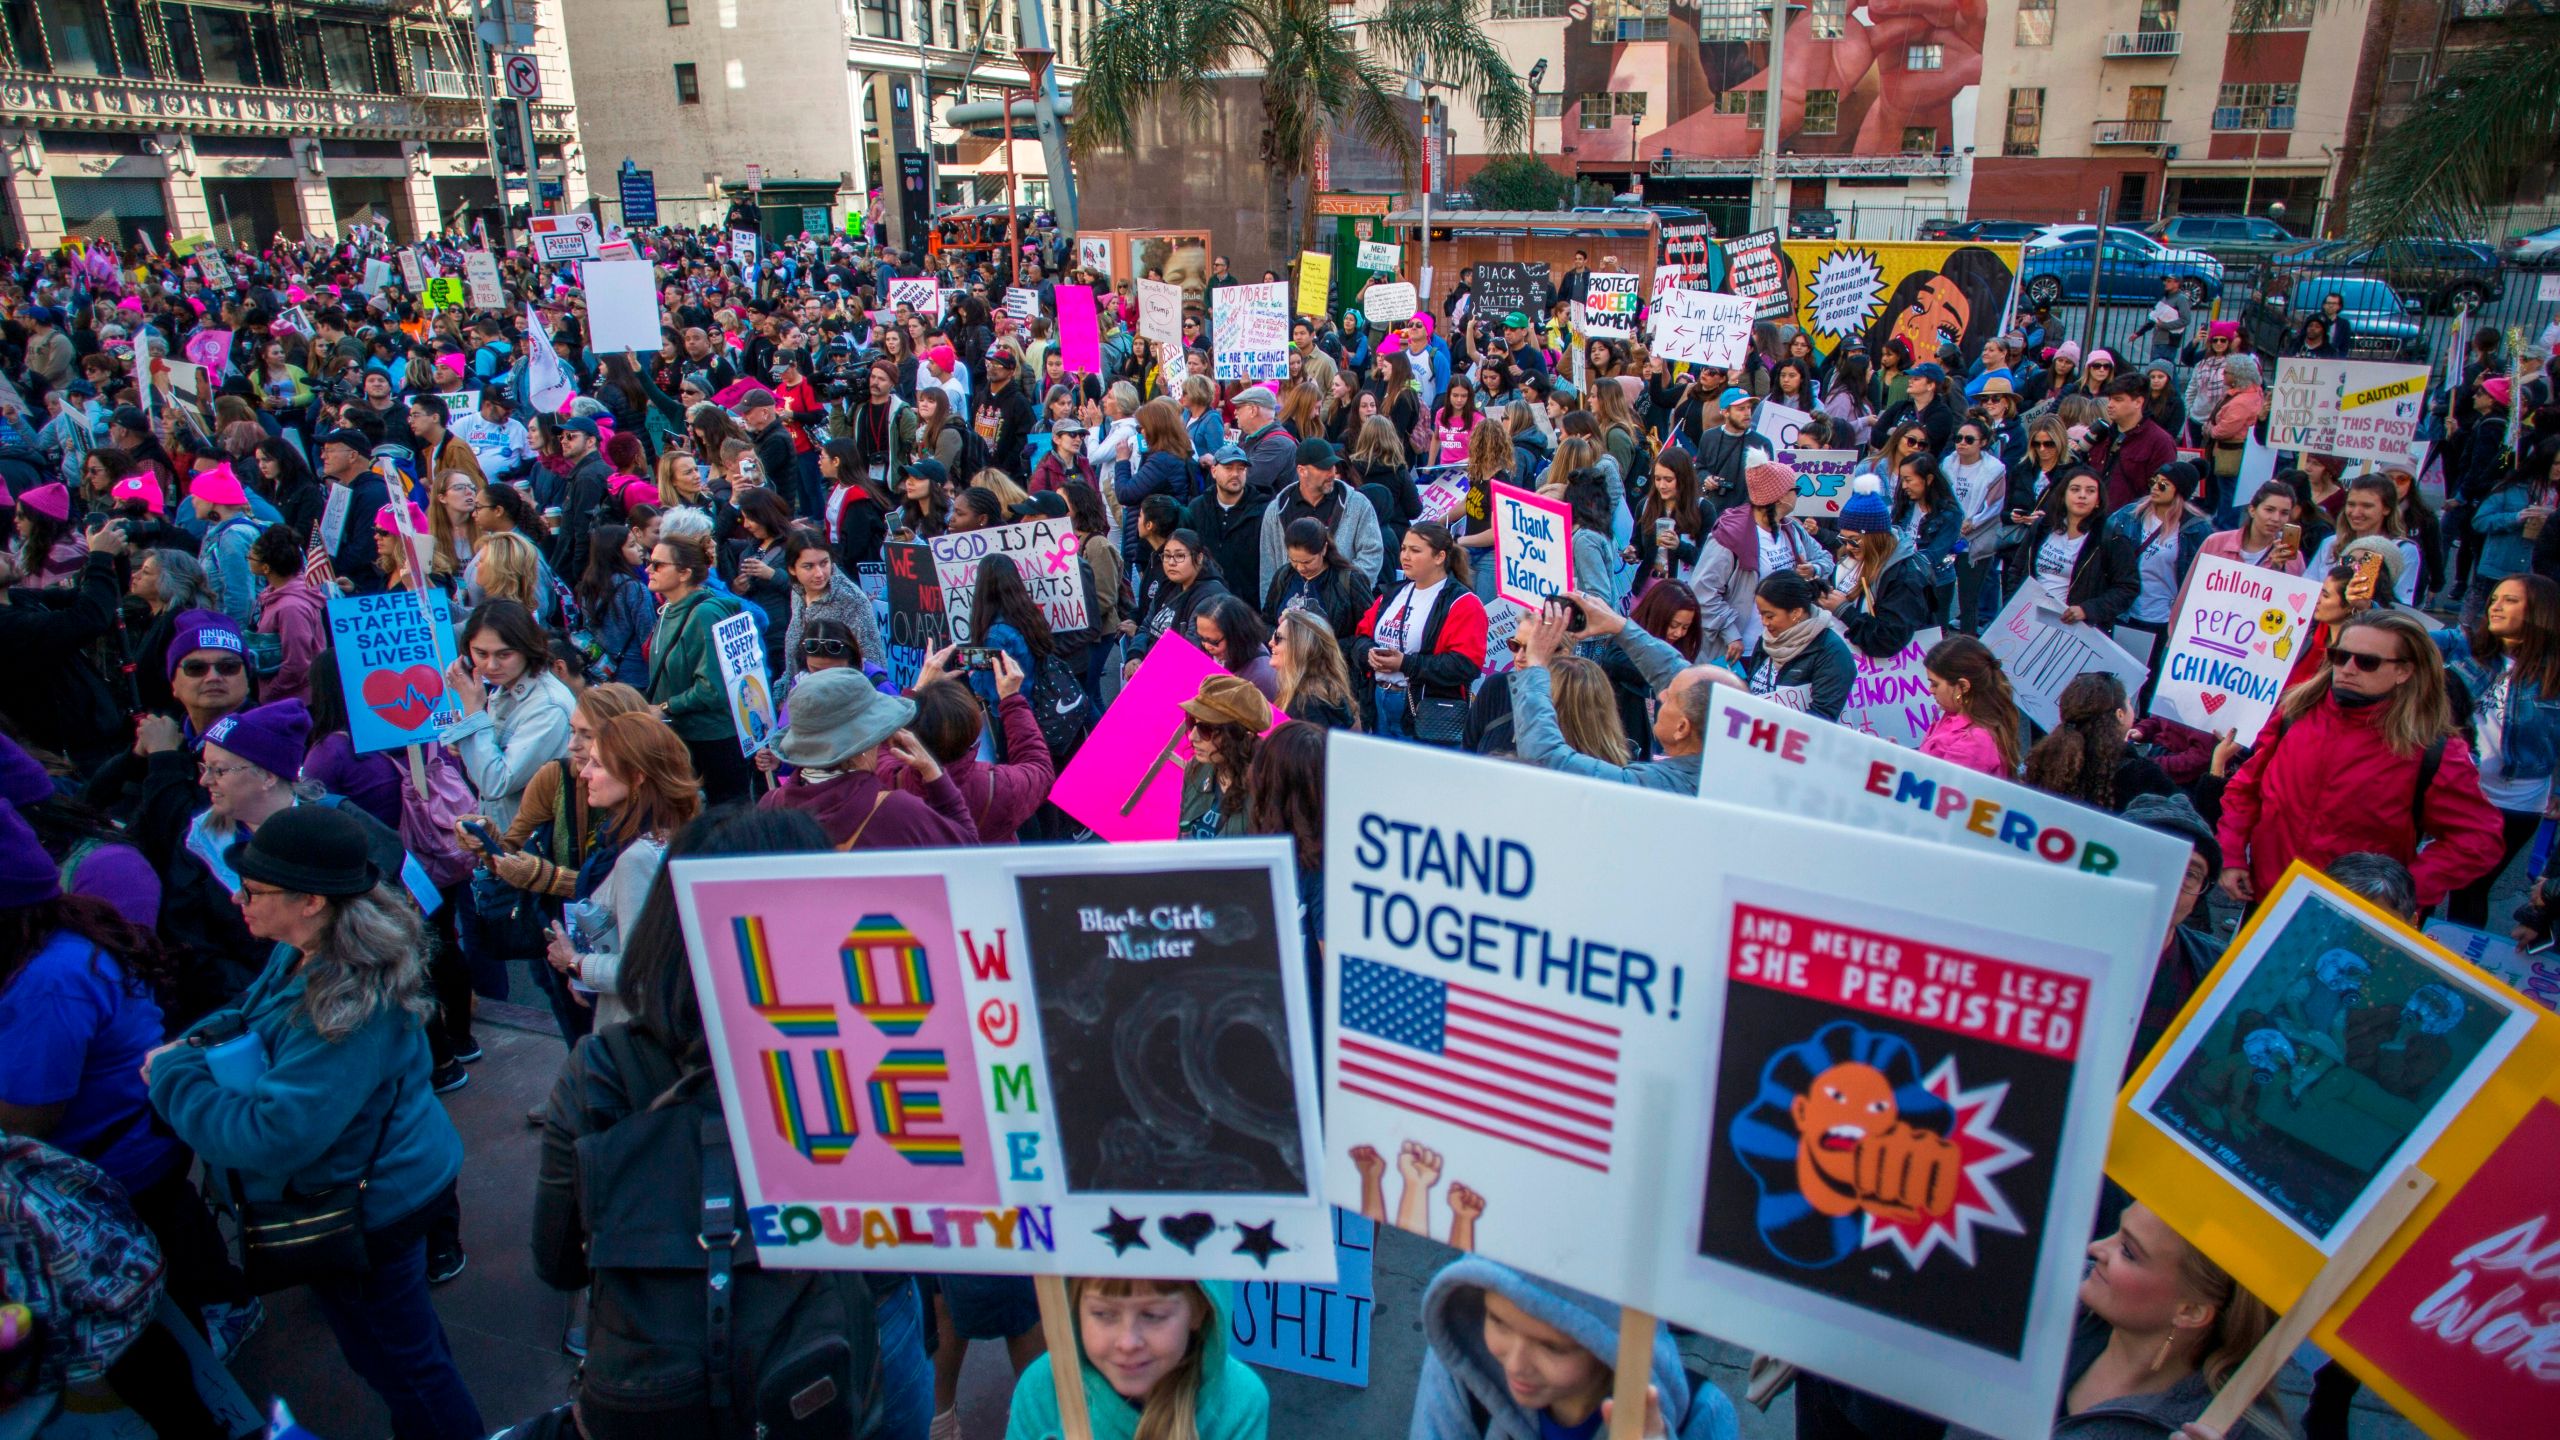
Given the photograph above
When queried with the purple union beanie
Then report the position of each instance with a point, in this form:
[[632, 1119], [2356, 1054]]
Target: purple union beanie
[[272, 737], [204, 630]]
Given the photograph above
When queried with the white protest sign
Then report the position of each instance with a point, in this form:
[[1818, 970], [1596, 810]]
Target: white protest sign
[[1160, 312], [480, 272], [2238, 632], [565, 237], [2378, 407], [1822, 480], [742, 680], [1780, 423], [1501, 622], [1390, 302], [1175, 369], [2536, 977], [918, 291], [1022, 303], [412, 274], [1250, 326], [622, 306], [2042, 654], [1380, 256], [333, 516], [216, 274], [744, 246], [1443, 489], [377, 274], [1093, 252], [1532, 545], [1700, 328], [1610, 309], [1890, 698], [1560, 1044], [2302, 407], [1045, 552]]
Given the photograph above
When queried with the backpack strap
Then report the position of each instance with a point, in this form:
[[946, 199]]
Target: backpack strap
[[2428, 764], [876, 802], [719, 1236]]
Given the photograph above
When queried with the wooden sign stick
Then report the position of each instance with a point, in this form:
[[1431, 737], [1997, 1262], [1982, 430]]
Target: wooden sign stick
[[2361, 1245], [1066, 1360], [1635, 1374]]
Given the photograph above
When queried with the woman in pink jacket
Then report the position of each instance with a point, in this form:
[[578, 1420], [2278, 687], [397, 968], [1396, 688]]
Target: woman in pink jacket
[[2262, 536], [290, 608], [1979, 729]]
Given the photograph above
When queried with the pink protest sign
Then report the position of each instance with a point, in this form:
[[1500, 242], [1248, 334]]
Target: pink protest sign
[[1532, 545], [1079, 330], [1126, 782]]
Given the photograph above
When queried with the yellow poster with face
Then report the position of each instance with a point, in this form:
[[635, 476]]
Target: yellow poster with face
[[2332, 1048], [1925, 293]]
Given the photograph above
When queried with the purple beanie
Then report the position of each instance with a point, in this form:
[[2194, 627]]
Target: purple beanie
[[272, 737], [204, 630], [28, 875]]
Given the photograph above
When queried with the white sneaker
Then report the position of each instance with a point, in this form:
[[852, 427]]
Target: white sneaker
[[946, 1426]]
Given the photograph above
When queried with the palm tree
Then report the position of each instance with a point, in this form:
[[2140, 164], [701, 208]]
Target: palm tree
[[1318, 71], [2466, 142]]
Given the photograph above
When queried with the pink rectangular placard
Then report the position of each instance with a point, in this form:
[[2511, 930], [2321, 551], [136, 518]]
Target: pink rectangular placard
[[1079, 330], [1532, 545], [1126, 782], [849, 1031]]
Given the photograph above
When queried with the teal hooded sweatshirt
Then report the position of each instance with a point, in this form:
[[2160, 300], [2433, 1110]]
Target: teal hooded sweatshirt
[[1233, 1405]]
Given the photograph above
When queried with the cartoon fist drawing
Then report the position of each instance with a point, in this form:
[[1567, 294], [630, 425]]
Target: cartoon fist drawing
[[1855, 1153]]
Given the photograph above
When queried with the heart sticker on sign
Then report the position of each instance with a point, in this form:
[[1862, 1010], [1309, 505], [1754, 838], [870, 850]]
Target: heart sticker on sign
[[406, 698], [2213, 700]]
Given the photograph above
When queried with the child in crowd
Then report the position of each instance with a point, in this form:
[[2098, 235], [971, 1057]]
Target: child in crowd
[[1512, 1358], [1156, 1367]]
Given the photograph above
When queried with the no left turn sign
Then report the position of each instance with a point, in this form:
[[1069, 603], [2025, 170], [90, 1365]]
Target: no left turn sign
[[524, 77]]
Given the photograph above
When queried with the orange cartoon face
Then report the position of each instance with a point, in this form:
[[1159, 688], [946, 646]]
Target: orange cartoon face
[[1938, 315], [1843, 1106]]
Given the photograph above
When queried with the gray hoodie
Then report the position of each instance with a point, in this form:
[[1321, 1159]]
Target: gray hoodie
[[1460, 1380]]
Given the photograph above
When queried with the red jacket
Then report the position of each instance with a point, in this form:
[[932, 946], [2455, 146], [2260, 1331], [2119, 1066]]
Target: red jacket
[[2328, 787], [2126, 463]]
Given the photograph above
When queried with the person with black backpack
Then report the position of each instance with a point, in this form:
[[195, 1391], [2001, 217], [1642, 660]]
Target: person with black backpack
[[637, 1199]]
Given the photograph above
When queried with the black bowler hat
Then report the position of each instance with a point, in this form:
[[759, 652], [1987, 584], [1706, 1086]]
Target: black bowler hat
[[309, 850]]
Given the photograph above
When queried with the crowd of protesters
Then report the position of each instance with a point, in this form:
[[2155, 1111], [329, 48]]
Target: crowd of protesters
[[239, 958]]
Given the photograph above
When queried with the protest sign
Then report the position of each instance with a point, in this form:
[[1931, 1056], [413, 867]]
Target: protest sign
[[377, 274], [1699, 328], [1250, 327], [2378, 408], [2238, 631], [1317, 1330], [1068, 1061], [2302, 404], [1315, 282], [412, 274], [2042, 653], [1502, 286], [1532, 545], [917, 291], [2536, 976], [1890, 698], [1501, 622], [1780, 423], [1125, 782], [216, 274], [1079, 330], [622, 306], [1610, 309], [742, 678], [1093, 252], [1443, 490], [1047, 553], [1022, 303], [918, 621], [1758, 755], [212, 350], [1822, 480], [1160, 312], [745, 246], [559, 238], [1758, 274], [480, 270], [445, 292], [1174, 369], [1536, 1059], [1380, 257], [392, 658], [1390, 302]]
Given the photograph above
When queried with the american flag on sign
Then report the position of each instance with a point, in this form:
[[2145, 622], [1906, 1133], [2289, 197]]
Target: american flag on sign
[[1524, 1074]]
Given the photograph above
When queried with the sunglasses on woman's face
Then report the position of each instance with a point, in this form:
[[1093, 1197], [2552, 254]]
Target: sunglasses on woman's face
[[2039, 444], [832, 649]]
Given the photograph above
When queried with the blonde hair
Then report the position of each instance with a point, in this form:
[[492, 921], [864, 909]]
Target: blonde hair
[[1586, 706], [507, 567], [1162, 426], [1490, 454], [1314, 666], [1002, 484], [2418, 715], [371, 957], [441, 524], [1171, 1410], [1376, 444]]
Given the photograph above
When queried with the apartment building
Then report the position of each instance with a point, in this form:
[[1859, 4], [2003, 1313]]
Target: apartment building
[[819, 95], [2027, 108], [125, 118]]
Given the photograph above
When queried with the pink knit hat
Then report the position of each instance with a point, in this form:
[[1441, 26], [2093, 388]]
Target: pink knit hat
[[217, 486]]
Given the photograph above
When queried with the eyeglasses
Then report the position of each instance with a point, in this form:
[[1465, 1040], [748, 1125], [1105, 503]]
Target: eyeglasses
[[211, 771], [832, 649], [198, 669], [2363, 660], [2040, 445], [250, 891]]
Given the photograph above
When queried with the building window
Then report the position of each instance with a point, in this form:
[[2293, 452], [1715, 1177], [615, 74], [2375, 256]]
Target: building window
[[1753, 105], [348, 54], [2293, 15], [1821, 113], [1602, 107], [2159, 17], [1925, 57], [1627, 21], [1734, 20], [1828, 16], [182, 44], [76, 38], [884, 19], [688, 86], [1920, 140], [1530, 9], [2035, 22], [2026, 122], [1550, 107], [2406, 77], [2255, 107], [679, 12], [229, 48]]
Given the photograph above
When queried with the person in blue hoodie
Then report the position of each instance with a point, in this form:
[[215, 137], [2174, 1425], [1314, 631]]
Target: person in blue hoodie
[[1515, 1358], [322, 1084]]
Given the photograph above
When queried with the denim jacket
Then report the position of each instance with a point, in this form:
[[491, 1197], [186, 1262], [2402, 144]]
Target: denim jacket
[[2499, 522], [2529, 731]]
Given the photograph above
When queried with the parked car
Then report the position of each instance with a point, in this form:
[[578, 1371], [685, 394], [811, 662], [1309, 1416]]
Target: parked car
[[2001, 232], [2381, 325], [2442, 275], [2225, 237], [1812, 225], [2539, 250], [2134, 266]]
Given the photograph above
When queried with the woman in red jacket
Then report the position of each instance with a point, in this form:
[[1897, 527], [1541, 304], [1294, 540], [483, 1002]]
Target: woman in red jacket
[[1422, 644], [2362, 756]]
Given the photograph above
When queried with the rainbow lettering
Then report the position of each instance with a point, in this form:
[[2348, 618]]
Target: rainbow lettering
[[835, 1092], [755, 957], [884, 971], [897, 1107]]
